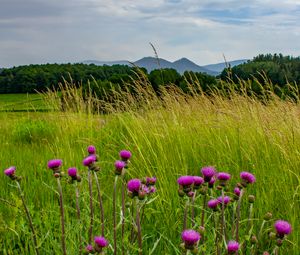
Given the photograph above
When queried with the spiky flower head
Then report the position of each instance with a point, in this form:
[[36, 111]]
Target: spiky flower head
[[282, 228], [72, 171], [223, 176], [10, 171], [89, 248], [247, 178], [150, 181], [186, 180], [134, 185], [198, 180], [125, 155], [100, 241], [54, 163], [212, 182], [237, 191], [213, 203], [226, 199], [119, 166], [89, 160], [91, 149], [232, 247], [208, 172], [190, 238]]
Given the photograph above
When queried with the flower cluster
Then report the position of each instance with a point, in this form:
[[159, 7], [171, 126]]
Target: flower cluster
[[72, 172], [99, 243], [141, 188]]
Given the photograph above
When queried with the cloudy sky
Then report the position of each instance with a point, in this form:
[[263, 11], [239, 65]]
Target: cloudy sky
[[41, 31]]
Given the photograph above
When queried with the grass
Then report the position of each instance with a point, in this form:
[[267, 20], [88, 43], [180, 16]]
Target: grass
[[169, 136]]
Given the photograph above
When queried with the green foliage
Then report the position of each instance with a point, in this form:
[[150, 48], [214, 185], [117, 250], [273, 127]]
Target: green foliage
[[34, 131]]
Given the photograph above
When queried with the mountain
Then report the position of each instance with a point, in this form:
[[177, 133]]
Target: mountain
[[180, 65], [219, 67]]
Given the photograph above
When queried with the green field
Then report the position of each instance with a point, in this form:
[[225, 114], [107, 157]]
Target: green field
[[169, 136], [22, 102]]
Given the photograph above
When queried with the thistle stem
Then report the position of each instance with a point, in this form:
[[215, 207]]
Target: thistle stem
[[29, 219], [100, 203], [185, 214], [203, 210], [193, 209], [114, 214], [138, 223], [238, 214], [90, 180], [62, 217], [223, 217], [123, 215], [78, 217]]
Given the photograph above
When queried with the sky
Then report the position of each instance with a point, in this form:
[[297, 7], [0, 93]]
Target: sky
[[63, 31]]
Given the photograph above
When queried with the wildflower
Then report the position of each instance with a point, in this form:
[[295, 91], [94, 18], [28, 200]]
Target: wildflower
[[54, 163], [232, 247], [152, 189], [89, 160], [282, 228], [247, 178], [223, 178], [212, 182], [150, 181], [237, 191], [100, 241], [133, 187], [185, 181], [208, 172], [190, 238], [89, 249], [72, 172], [125, 155], [119, 165], [226, 199], [198, 181], [213, 204], [91, 149], [10, 172]]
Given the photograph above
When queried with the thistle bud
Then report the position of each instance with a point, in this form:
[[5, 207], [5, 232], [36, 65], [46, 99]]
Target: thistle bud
[[251, 199], [268, 216]]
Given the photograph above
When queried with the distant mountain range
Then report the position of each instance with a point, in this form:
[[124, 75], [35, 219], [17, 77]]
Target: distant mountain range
[[181, 65]]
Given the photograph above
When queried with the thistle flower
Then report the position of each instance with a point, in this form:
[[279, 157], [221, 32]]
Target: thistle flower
[[54, 163], [89, 160], [232, 247], [10, 172], [190, 238], [247, 178], [134, 186], [208, 172], [237, 191], [223, 176], [198, 181], [152, 189], [213, 204], [72, 172], [89, 248], [282, 228], [100, 241], [212, 182], [125, 155], [226, 199], [91, 149], [150, 181], [119, 165], [185, 181]]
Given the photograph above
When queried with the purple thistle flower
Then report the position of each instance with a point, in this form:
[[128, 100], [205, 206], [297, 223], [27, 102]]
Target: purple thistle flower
[[119, 165], [89, 248], [152, 189], [232, 247], [223, 176], [125, 155], [237, 191], [134, 185], [213, 203], [282, 228], [100, 241], [89, 160], [10, 171], [72, 171], [226, 199], [190, 237], [247, 177], [150, 181], [54, 163], [186, 180], [198, 180], [208, 172], [91, 149], [212, 182]]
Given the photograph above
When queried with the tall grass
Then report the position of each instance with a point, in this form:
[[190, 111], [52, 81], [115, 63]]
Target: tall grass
[[169, 134]]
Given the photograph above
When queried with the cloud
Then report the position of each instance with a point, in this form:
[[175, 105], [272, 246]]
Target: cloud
[[39, 31]]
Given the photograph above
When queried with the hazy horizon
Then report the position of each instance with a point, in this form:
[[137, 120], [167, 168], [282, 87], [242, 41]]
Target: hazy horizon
[[71, 31]]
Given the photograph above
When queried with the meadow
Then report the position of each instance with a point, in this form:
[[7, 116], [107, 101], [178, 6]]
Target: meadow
[[169, 135]]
